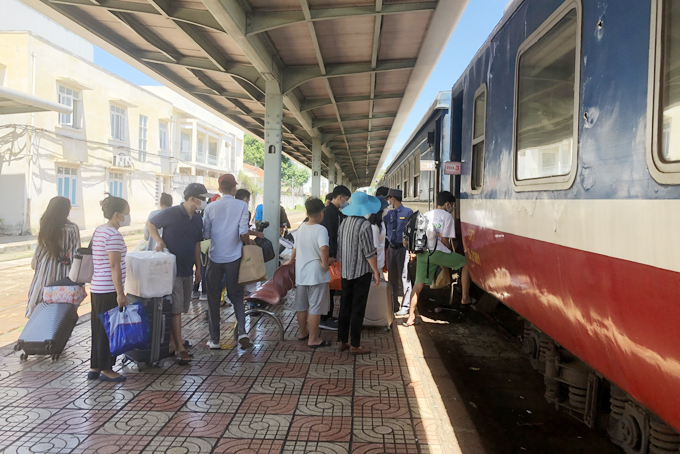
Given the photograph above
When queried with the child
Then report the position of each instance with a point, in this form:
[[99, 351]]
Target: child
[[310, 257]]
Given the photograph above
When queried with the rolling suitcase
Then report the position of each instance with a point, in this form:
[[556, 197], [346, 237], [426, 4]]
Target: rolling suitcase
[[48, 330], [159, 311], [379, 306]]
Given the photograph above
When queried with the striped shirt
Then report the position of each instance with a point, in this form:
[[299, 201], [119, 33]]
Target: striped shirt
[[355, 247], [105, 240]]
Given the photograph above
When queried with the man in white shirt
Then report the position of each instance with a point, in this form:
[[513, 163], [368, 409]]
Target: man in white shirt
[[441, 231]]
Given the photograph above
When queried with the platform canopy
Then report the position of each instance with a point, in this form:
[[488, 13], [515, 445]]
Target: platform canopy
[[13, 102], [350, 70]]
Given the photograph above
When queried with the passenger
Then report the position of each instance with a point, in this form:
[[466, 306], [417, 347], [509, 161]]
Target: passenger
[[226, 224], [244, 194], [182, 235], [108, 283], [439, 241], [358, 256], [283, 217], [379, 232], [165, 202], [58, 241], [310, 256], [382, 191], [397, 258], [329, 198], [332, 217]]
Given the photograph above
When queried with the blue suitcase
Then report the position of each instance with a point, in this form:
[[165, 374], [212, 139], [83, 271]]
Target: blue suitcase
[[48, 330]]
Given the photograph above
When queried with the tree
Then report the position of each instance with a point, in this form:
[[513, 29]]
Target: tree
[[253, 151], [253, 154], [250, 185]]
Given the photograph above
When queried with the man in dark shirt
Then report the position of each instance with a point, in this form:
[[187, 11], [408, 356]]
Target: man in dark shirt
[[332, 217], [397, 258], [182, 234]]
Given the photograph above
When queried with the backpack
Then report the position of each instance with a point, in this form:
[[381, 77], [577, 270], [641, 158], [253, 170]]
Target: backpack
[[416, 232]]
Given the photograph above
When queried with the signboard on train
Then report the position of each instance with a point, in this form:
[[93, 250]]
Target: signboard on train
[[452, 168], [427, 166]]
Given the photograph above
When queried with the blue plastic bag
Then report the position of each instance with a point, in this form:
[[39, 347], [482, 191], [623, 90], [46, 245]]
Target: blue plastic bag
[[127, 329]]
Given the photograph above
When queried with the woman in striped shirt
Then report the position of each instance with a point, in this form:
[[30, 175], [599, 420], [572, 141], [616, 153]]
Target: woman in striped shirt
[[108, 281]]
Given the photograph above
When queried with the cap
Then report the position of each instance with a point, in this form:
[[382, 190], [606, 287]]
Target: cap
[[394, 193], [197, 190], [227, 180]]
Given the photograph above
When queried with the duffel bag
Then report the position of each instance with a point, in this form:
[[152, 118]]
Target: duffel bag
[[64, 291]]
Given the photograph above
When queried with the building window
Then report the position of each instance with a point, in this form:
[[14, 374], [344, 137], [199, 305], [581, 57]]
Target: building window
[[163, 136], [72, 99], [185, 147], [406, 194], [478, 140], [200, 173], [416, 187], [117, 122], [670, 81], [67, 182], [143, 130], [200, 154], [212, 153], [547, 101], [116, 184]]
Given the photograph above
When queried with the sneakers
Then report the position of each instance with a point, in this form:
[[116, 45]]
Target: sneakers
[[195, 295], [330, 324], [402, 312], [203, 297], [213, 346], [244, 341]]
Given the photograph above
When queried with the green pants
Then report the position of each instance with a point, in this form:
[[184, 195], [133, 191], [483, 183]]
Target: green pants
[[438, 258]]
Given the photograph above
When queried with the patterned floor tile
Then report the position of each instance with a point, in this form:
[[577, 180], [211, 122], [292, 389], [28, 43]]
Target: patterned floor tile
[[325, 406], [9, 396], [288, 370], [273, 427], [83, 422], [103, 399], [158, 401], [223, 384], [415, 389], [134, 382], [426, 431], [245, 446], [371, 388], [381, 430], [420, 408], [29, 379], [320, 428], [18, 419], [136, 423], [307, 447], [195, 367], [189, 445], [291, 357], [73, 381], [339, 371], [333, 357], [176, 383], [381, 407], [375, 448], [204, 425], [238, 369], [48, 398], [112, 444], [328, 387], [45, 444], [271, 404], [275, 385], [206, 402], [378, 373], [63, 365], [260, 353], [377, 359], [8, 437]]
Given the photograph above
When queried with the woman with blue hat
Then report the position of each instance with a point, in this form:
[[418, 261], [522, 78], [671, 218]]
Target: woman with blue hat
[[359, 263]]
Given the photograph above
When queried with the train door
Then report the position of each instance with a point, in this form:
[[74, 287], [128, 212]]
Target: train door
[[456, 137]]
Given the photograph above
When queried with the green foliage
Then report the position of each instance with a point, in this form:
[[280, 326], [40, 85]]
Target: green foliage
[[253, 151], [253, 154]]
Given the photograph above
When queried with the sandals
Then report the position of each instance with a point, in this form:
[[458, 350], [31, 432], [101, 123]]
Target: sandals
[[184, 358], [303, 338], [324, 343]]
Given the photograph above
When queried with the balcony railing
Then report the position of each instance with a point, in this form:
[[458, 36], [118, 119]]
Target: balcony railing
[[212, 160], [185, 156], [200, 156]]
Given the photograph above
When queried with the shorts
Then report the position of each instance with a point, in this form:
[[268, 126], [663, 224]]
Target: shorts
[[312, 298], [438, 258], [181, 294]]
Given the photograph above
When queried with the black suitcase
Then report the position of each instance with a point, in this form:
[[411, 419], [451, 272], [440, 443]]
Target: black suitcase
[[159, 312], [48, 330]]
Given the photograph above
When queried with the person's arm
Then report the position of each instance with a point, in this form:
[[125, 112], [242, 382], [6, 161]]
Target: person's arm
[[197, 277], [117, 277], [207, 222], [243, 226], [324, 259], [291, 260], [370, 253], [153, 231], [338, 255]]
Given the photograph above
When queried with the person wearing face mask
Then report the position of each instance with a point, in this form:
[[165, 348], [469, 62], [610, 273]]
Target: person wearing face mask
[[182, 235], [439, 240], [107, 285], [332, 217], [397, 258]]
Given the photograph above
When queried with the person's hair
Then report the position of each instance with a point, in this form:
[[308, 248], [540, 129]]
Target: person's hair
[[112, 205], [329, 197], [314, 206], [399, 199], [225, 187], [376, 218], [445, 196], [382, 191], [52, 223], [242, 194], [166, 200], [341, 190]]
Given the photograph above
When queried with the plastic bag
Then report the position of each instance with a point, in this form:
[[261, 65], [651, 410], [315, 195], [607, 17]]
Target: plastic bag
[[336, 277], [267, 248], [127, 329]]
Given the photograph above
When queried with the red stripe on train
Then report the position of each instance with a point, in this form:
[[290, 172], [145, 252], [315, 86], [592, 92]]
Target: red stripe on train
[[620, 317]]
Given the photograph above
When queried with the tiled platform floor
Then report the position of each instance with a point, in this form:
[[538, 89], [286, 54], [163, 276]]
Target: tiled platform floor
[[277, 398]]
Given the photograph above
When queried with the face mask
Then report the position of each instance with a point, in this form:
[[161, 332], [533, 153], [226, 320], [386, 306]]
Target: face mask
[[202, 205], [126, 221], [344, 204]]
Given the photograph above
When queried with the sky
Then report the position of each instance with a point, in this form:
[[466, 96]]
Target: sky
[[478, 21]]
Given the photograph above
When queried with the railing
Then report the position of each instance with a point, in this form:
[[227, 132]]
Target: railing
[[185, 156], [212, 160], [200, 156]]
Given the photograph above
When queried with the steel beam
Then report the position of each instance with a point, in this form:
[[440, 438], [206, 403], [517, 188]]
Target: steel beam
[[314, 103], [327, 137], [272, 167], [316, 167], [320, 122]]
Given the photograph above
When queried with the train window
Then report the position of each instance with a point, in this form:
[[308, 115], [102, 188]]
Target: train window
[[478, 138], [547, 102]]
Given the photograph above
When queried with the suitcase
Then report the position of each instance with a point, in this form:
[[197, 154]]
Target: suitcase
[[159, 311], [48, 330], [379, 306]]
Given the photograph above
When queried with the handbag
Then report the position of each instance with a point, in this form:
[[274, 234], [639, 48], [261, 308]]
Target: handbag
[[252, 267], [267, 248], [64, 291], [82, 267], [336, 277], [126, 328]]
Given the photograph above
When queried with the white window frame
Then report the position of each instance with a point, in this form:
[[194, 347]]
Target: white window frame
[[117, 178], [74, 119], [119, 112], [72, 177], [143, 137], [559, 182], [163, 134], [662, 172], [481, 139]]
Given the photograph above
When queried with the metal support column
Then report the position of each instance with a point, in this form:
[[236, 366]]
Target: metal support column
[[316, 167], [273, 136], [338, 176], [331, 172]]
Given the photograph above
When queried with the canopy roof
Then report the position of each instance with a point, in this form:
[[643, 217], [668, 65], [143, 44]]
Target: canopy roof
[[350, 70], [13, 101]]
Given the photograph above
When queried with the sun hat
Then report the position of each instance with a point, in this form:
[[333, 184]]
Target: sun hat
[[361, 205]]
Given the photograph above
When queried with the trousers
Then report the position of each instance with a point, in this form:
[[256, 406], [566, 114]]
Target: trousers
[[353, 308], [100, 353], [397, 276], [215, 274]]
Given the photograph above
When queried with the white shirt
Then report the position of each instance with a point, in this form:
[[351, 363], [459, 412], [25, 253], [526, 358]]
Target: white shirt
[[308, 243], [150, 242], [441, 226], [104, 240], [224, 221], [379, 233]]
